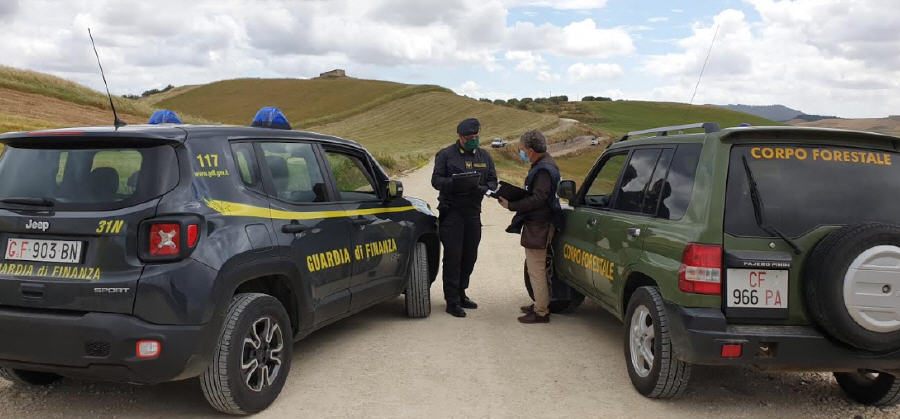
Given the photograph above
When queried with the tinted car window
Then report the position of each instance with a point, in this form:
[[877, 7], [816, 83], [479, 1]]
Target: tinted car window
[[658, 186], [126, 164], [295, 172], [601, 187], [635, 179], [803, 188], [351, 176], [103, 178], [245, 160], [676, 192]]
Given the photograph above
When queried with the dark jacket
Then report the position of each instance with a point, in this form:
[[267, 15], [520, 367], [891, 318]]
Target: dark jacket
[[453, 160], [539, 213]]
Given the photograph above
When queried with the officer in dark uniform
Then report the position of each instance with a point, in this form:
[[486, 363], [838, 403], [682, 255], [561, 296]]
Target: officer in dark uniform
[[460, 210]]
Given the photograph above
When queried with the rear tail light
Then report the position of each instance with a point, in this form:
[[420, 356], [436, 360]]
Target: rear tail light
[[193, 233], [168, 239], [165, 239], [146, 349], [701, 269]]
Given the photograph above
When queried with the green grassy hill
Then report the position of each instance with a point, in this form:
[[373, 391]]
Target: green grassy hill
[[425, 122], [305, 102], [620, 117], [403, 125], [59, 88], [30, 100]]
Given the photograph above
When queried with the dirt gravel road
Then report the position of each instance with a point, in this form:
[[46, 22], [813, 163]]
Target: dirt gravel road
[[381, 364]]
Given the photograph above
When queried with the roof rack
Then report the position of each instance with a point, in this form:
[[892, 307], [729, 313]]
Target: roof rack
[[663, 131]]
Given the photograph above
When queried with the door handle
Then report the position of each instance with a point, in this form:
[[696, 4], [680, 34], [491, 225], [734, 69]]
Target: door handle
[[591, 222], [633, 233], [293, 228]]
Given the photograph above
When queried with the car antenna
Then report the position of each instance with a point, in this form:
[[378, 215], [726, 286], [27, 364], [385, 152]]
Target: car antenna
[[116, 121], [708, 52]]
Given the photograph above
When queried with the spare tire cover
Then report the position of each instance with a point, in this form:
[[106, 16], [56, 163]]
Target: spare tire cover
[[851, 284]]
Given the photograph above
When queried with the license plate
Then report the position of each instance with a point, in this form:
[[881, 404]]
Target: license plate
[[59, 251], [757, 288]]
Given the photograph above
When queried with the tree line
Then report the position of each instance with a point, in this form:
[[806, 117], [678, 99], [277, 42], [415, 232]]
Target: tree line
[[149, 92], [540, 104]]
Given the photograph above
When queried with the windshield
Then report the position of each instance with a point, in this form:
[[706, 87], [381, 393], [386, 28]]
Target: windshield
[[98, 178], [805, 187]]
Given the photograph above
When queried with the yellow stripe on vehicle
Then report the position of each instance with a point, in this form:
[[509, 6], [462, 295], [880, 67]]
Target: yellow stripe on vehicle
[[236, 209]]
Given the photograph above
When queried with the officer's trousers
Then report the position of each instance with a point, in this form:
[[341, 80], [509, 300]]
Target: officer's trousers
[[460, 232]]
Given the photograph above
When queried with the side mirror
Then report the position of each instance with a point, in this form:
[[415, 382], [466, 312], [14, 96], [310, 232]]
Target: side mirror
[[566, 190], [394, 189]]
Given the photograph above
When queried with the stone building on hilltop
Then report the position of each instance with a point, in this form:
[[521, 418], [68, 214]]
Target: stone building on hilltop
[[333, 74]]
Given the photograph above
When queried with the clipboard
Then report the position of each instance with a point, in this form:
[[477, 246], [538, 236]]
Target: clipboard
[[465, 181], [510, 192]]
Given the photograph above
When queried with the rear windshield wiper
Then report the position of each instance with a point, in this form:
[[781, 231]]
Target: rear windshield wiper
[[31, 202], [758, 210]]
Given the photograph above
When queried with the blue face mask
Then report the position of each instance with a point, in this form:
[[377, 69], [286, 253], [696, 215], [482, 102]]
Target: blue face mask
[[524, 157]]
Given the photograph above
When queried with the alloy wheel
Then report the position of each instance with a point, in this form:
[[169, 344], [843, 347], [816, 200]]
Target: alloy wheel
[[641, 336], [261, 355]]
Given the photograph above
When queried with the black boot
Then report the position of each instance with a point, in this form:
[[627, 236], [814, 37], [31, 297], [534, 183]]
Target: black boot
[[465, 302], [455, 310]]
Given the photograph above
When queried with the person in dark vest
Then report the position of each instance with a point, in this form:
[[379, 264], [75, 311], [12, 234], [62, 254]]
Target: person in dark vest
[[459, 204], [538, 216]]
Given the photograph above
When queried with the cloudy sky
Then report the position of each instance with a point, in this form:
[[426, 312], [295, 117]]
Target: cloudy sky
[[820, 56]]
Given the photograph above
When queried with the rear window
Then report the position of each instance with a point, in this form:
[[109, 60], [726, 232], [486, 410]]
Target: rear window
[[104, 178], [803, 188]]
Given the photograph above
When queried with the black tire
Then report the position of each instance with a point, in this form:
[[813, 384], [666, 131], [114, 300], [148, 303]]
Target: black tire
[[225, 385], [823, 284], [418, 286], [666, 376], [29, 378], [871, 388], [563, 298]]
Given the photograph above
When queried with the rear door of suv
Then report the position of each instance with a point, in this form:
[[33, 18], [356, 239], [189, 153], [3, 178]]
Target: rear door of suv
[[808, 185], [70, 207], [657, 225]]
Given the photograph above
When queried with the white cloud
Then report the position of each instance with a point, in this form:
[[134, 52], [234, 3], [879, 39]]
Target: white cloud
[[825, 56], [580, 72], [585, 39], [815, 57], [547, 77], [577, 39], [474, 90], [469, 88], [149, 45], [560, 4], [8, 9], [528, 61]]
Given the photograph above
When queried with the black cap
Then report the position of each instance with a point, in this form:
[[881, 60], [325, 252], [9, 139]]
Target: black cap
[[468, 127]]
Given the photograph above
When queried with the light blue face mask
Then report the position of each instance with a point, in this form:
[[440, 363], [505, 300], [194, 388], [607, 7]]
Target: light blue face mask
[[524, 157]]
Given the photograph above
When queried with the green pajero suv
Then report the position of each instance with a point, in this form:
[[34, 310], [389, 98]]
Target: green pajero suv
[[770, 246]]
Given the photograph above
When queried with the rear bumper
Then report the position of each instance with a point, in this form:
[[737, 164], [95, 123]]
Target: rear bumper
[[100, 346], [699, 333]]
